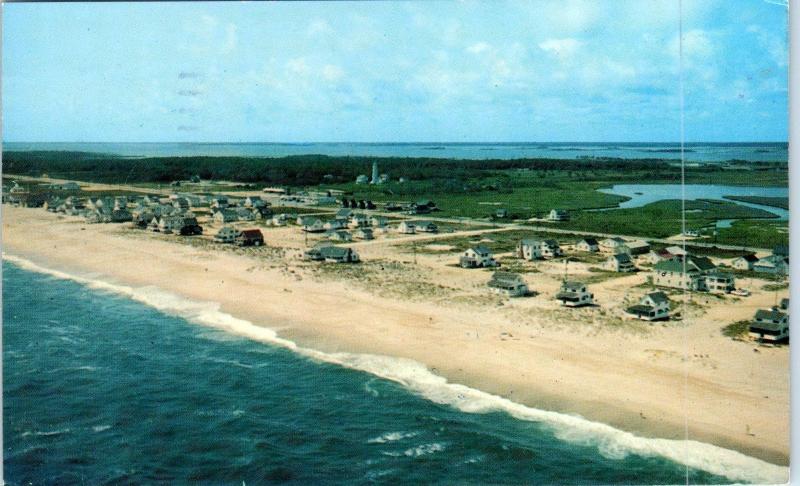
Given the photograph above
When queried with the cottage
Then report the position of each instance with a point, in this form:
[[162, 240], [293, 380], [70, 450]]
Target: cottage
[[501, 213], [588, 245], [770, 325], [637, 247], [224, 216], [332, 254], [313, 225], [335, 224], [219, 202], [249, 237], [772, 264], [507, 283], [558, 215], [530, 249], [406, 228], [477, 257], [426, 227], [613, 245], [226, 234], [378, 221], [652, 307], [340, 235], [621, 262], [745, 262], [574, 294], [189, 226], [364, 234], [718, 282], [670, 273], [245, 214], [358, 220]]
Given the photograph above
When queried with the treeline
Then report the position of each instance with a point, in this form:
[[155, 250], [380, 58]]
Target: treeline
[[305, 170], [292, 170]]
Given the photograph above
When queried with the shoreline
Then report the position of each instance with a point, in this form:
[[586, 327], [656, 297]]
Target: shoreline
[[549, 370]]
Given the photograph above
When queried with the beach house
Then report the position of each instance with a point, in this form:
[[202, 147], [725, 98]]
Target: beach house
[[718, 282], [344, 214], [378, 221], [249, 237], [335, 224], [226, 234], [364, 234], [637, 247], [358, 220], [558, 215], [331, 254], [744, 262], [769, 325], [508, 283], [219, 202], [477, 257], [224, 216], [574, 294], [532, 249], [426, 227], [653, 306], [245, 214], [313, 225], [613, 245], [339, 235], [590, 245], [670, 273], [776, 264], [406, 228], [621, 262]]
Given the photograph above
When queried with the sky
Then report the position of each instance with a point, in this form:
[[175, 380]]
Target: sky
[[527, 71]]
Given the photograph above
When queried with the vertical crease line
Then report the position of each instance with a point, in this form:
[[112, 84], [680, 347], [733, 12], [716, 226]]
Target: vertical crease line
[[686, 290]]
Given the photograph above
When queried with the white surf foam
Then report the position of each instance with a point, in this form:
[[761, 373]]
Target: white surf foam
[[610, 442]]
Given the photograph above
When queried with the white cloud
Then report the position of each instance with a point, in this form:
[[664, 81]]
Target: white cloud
[[563, 48], [478, 48], [298, 66]]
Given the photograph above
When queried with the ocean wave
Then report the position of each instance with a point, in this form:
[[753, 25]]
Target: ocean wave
[[392, 437], [46, 433], [423, 450], [609, 441]]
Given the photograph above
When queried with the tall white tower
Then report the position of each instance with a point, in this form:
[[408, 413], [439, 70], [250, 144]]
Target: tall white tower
[[375, 178]]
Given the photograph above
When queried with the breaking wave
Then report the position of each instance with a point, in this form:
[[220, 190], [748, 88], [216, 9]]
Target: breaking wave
[[610, 442]]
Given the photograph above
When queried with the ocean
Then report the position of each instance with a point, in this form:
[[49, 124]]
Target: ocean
[[107, 384], [694, 152]]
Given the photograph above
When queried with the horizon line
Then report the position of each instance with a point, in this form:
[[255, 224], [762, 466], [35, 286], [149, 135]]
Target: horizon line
[[676, 142]]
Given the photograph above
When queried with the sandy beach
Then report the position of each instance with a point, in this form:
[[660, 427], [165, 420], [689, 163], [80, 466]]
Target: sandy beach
[[654, 380]]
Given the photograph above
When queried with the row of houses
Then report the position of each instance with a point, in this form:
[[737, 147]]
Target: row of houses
[[776, 263], [651, 307]]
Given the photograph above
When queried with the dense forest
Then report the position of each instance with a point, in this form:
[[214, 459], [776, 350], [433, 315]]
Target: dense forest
[[305, 170]]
